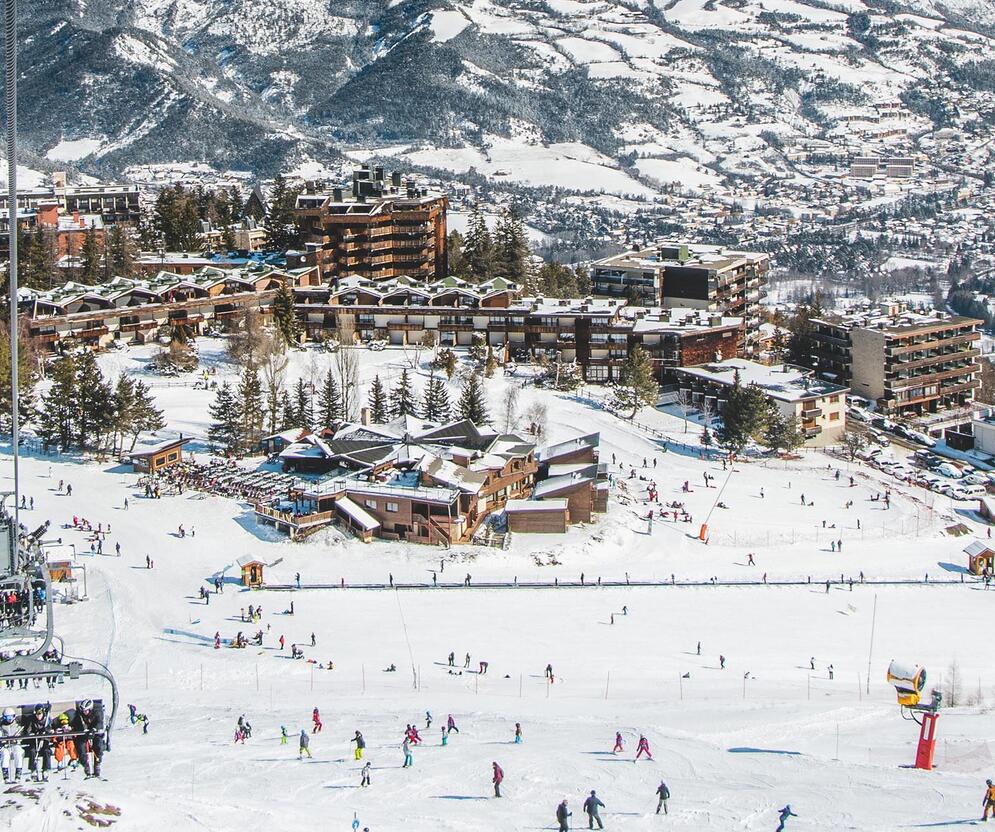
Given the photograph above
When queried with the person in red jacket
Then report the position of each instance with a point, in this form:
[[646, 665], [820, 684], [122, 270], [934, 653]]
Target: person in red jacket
[[498, 777], [643, 747], [618, 743], [316, 719]]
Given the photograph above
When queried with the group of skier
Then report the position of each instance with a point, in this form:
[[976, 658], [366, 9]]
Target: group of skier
[[38, 740]]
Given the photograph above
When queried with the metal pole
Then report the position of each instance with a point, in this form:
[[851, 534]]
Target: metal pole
[[870, 649], [10, 102], [608, 680]]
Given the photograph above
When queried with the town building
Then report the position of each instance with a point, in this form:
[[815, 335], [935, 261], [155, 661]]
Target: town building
[[709, 278], [914, 366], [818, 406], [134, 311], [379, 229]]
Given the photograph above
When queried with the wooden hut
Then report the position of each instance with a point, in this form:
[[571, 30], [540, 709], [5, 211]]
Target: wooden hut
[[980, 557], [150, 460], [252, 572]]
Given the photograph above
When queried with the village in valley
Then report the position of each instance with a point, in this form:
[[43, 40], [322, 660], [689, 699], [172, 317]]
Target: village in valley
[[355, 510]]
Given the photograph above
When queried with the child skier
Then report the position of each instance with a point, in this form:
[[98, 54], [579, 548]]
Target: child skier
[[518, 733], [364, 780], [643, 747], [316, 719], [618, 743], [408, 759]]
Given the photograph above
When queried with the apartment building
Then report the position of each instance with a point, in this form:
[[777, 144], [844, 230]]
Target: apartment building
[[113, 202], [709, 278], [133, 311], [379, 229], [596, 333], [819, 406], [915, 366]]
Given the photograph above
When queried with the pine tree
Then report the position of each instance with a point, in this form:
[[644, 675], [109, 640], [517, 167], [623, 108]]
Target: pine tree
[[435, 404], [57, 414], [280, 222], [146, 417], [478, 248], [26, 377], [459, 266], [94, 402], [225, 427], [303, 405], [250, 407], [378, 401], [284, 315], [123, 410], [472, 404], [490, 365], [289, 418], [402, 397], [329, 402], [781, 432], [89, 256], [445, 360], [637, 386], [511, 248], [744, 415], [120, 251], [236, 204], [801, 343]]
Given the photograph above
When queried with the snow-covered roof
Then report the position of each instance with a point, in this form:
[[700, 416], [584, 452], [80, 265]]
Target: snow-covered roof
[[513, 506], [780, 381], [358, 513]]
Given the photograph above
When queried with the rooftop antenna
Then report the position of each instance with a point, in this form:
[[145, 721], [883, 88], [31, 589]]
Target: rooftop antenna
[[10, 104]]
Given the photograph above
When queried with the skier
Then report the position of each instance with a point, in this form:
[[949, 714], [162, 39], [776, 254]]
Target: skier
[[452, 659], [518, 733], [466, 662], [643, 747], [428, 720], [830, 673], [88, 725], [39, 750], [722, 662], [408, 759], [497, 778], [811, 663], [365, 775], [699, 648], [783, 817], [303, 747], [316, 719], [11, 753], [451, 724], [360, 745], [445, 737], [989, 800], [549, 672], [664, 794], [563, 816], [618, 743], [281, 641], [591, 806], [284, 736], [64, 746]]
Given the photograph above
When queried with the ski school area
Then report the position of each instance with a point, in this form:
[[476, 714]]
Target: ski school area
[[756, 684]]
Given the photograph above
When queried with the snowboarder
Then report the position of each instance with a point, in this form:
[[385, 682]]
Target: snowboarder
[[303, 747], [664, 794], [989, 800], [643, 747], [360, 745], [497, 778], [364, 780], [591, 806], [618, 743], [783, 817], [316, 719], [563, 816]]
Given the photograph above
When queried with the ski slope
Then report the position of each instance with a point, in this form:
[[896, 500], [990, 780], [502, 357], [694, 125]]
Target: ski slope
[[733, 744]]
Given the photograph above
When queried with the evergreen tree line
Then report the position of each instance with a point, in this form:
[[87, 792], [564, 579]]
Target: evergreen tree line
[[84, 410], [749, 416], [97, 260], [481, 255], [179, 211]]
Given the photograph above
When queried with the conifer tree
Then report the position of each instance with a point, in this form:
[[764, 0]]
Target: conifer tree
[[280, 223], [146, 417], [26, 377], [289, 418], [435, 404], [120, 252], [89, 256], [329, 402], [378, 401], [402, 397], [57, 414], [284, 316], [303, 405], [94, 402], [637, 386], [744, 415], [123, 410], [511, 248], [472, 404], [250, 406], [225, 427], [478, 248]]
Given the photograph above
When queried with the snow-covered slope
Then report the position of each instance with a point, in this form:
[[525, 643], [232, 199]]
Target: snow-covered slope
[[681, 83]]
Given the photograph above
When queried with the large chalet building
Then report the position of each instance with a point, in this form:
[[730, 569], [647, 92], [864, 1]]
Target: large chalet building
[[380, 229]]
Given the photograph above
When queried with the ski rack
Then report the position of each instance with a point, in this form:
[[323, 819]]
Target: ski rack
[[27, 570]]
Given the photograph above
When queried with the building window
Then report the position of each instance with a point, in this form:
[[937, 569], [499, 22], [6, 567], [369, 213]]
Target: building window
[[597, 374], [834, 417], [390, 506], [371, 503], [834, 399]]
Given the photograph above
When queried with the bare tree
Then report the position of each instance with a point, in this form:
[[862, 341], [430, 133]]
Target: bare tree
[[951, 685], [273, 365], [536, 415], [853, 443], [347, 368], [707, 410], [509, 408], [685, 404], [246, 339]]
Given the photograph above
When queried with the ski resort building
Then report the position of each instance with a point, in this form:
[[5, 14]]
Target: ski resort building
[[379, 229], [709, 278], [914, 366], [818, 406], [133, 311]]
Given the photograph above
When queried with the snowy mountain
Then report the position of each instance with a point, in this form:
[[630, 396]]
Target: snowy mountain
[[624, 89]]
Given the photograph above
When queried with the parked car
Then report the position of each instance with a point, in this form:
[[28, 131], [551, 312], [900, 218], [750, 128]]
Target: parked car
[[972, 492], [878, 438], [948, 469], [975, 478], [859, 414], [882, 423]]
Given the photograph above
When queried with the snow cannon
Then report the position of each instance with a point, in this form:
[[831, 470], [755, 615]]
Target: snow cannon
[[909, 681]]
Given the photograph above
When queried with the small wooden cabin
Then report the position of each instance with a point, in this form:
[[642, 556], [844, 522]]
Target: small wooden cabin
[[252, 572], [150, 460]]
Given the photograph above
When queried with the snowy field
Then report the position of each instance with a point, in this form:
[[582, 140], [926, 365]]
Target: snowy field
[[733, 744]]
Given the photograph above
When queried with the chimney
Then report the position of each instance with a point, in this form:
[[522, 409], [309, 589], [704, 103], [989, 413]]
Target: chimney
[[365, 416]]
